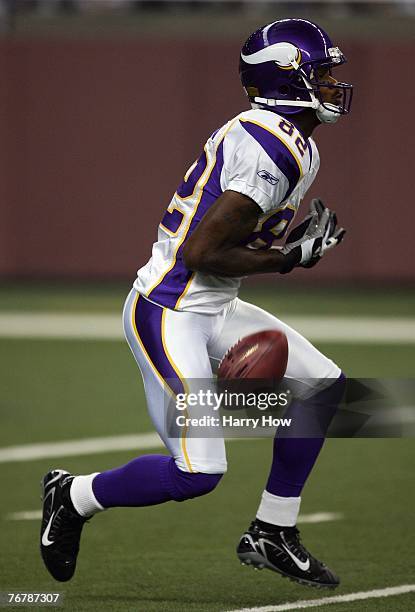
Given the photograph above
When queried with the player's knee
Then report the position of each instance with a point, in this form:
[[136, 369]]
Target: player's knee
[[332, 394], [187, 485], [196, 485], [326, 402], [338, 388]]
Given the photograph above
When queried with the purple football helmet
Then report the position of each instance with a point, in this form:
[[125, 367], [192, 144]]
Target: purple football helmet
[[280, 68]]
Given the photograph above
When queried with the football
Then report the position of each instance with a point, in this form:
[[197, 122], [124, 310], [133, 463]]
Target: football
[[261, 355]]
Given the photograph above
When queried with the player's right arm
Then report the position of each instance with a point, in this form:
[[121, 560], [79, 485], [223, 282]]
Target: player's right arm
[[215, 245]]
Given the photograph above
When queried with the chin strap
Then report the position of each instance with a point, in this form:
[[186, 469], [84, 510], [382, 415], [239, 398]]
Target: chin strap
[[325, 114], [274, 102]]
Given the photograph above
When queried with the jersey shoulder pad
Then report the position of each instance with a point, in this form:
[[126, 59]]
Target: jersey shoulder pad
[[264, 128]]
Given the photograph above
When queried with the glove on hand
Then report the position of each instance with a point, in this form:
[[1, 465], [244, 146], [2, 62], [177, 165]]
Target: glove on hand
[[307, 243]]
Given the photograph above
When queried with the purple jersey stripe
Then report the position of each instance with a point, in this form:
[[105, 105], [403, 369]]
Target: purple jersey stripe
[[277, 151], [148, 322], [169, 291], [173, 284]]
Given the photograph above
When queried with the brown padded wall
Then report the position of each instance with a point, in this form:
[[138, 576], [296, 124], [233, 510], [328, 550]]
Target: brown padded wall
[[95, 137]]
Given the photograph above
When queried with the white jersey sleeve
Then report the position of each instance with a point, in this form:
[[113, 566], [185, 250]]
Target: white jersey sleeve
[[249, 170]]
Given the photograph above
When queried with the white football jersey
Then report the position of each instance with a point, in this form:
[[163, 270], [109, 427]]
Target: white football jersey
[[259, 154]]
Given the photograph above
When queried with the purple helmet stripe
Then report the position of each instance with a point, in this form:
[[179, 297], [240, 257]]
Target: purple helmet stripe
[[278, 151]]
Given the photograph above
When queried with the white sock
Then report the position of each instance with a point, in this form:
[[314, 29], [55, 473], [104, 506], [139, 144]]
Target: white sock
[[278, 510], [83, 497]]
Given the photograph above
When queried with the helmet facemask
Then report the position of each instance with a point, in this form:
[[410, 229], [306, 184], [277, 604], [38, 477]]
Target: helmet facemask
[[308, 77]]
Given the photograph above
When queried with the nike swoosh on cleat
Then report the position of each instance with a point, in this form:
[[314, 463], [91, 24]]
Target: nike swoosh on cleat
[[45, 539], [58, 475], [302, 565]]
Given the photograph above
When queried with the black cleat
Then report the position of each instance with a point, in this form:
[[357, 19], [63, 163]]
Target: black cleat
[[282, 552], [61, 526]]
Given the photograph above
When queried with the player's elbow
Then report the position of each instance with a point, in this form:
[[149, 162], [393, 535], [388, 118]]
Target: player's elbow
[[191, 257], [195, 258]]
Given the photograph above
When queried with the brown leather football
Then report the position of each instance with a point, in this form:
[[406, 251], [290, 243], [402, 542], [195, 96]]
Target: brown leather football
[[261, 355]]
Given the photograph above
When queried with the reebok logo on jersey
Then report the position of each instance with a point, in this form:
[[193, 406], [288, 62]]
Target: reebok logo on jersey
[[264, 174]]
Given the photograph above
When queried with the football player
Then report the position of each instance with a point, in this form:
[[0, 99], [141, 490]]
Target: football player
[[183, 313]]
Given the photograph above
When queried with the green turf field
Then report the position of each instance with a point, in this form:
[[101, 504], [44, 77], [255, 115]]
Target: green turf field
[[181, 556]]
